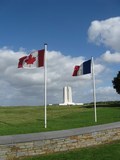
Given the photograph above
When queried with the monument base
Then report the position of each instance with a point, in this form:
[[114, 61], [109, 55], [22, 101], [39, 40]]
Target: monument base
[[71, 104]]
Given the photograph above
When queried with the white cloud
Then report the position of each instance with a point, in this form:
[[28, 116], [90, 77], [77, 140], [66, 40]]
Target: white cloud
[[26, 87], [106, 32], [107, 93], [105, 90], [99, 68], [111, 57]]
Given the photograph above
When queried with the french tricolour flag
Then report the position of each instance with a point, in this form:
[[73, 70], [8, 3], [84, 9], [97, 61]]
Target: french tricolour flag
[[84, 68]]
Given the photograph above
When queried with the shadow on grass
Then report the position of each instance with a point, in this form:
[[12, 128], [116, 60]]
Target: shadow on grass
[[9, 124]]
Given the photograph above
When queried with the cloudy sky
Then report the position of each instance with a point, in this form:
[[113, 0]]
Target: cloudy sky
[[75, 30]]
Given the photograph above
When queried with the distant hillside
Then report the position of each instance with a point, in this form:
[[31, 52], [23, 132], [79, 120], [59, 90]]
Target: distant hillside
[[103, 104]]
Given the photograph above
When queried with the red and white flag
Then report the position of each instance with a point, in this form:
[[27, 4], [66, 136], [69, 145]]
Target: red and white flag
[[34, 60]]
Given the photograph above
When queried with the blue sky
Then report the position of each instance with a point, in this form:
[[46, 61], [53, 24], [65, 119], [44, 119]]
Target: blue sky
[[70, 28], [63, 24]]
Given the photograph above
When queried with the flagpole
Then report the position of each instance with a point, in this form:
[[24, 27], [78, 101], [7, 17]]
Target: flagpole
[[94, 90], [45, 80]]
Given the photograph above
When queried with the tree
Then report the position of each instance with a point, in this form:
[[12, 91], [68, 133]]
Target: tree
[[116, 83]]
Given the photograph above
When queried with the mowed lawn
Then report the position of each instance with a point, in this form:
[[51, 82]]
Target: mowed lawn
[[104, 152], [19, 120]]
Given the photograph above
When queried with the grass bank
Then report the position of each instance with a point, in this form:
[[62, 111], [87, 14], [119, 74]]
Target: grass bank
[[20, 120]]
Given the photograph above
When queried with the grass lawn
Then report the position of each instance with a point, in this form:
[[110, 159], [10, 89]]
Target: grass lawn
[[18, 120], [103, 152]]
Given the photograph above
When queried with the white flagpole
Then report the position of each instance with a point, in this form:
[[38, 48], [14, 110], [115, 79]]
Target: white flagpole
[[94, 90], [45, 80]]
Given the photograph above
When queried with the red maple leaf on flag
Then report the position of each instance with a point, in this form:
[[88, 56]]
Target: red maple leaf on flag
[[30, 59]]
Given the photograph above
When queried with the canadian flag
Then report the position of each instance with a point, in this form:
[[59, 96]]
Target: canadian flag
[[35, 59]]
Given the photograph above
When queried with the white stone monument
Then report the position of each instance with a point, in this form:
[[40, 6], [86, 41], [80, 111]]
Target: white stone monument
[[67, 96]]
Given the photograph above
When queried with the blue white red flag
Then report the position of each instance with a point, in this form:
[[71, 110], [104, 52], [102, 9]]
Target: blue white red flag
[[84, 68]]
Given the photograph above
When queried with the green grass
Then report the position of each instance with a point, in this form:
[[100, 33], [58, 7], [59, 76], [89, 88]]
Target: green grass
[[103, 152], [19, 120]]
